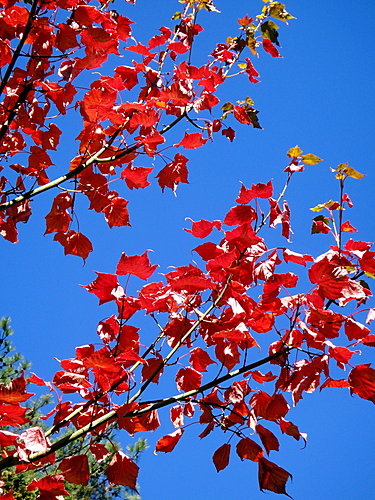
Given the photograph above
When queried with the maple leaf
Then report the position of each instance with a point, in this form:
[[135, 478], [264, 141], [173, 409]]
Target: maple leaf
[[256, 191], [192, 141], [167, 443], [137, 265], [221, 457], [15, 391], [53, 484], [188, 379], [173, 173], [199, 359], [272, 477], [74, 243], [249, 449], [270, 48], [105, 287], [122, 470], [75, 469], [362, 382], [202, 228]]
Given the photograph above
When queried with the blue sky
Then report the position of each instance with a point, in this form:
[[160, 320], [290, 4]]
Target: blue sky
[[319, 96]]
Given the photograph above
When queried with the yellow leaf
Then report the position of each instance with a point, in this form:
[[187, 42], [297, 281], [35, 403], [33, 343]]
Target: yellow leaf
[[294, 152], [345, 171], [277, 10], [311, 159]]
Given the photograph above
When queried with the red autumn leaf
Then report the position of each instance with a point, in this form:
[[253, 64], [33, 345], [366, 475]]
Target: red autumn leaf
[[74, 243], [188, 379], [241, 115], [291, 429], [239, 215], [297, 258], [97, 104], [355, 330], [8, 438], [76, 469], [362, 382], [251, 71], [105, 287], [256, 191], [137, 265], [272, 477], [270, 48], [15, 391], [202, 228], [140, 49], [153, 367], [192, 141], [122, 470], [229, 133], [116, 213], [34, 440], [53, 484], [149, 421], [268, 438], [341, 354], [249, 449], [259, 377], [173, 173], [221, 457], [13, 415], [334, 383], [199, 359], [167, 443], [346, 227], [136, 177]]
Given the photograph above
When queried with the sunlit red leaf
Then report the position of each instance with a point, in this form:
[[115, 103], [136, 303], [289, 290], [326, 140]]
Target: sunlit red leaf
[[355, 330], [221, 457], [138, 265], [173, 173], [199, 359], [202, 228], [346, 227], [53, 484], [249, 449], [105, 287], [268, 438], [256, 191], [362, 382], [167, 443], [188, 379], [192, 141], [15, 391], [74, 243], [76, 469], [122, 470], [270, 48]]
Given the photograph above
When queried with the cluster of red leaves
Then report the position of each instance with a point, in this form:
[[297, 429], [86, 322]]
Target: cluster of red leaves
[[124, 113], [203, 340]]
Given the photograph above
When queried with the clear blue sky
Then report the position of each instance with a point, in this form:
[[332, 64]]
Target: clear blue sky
[[320, 96]]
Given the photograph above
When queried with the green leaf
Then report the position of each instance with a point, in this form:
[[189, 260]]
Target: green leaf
[[269, 30], [277, 10]]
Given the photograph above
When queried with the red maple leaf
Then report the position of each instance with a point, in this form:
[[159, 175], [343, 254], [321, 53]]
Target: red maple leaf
[[221, 457], [167, 443], [122, 470], [138, 265]]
